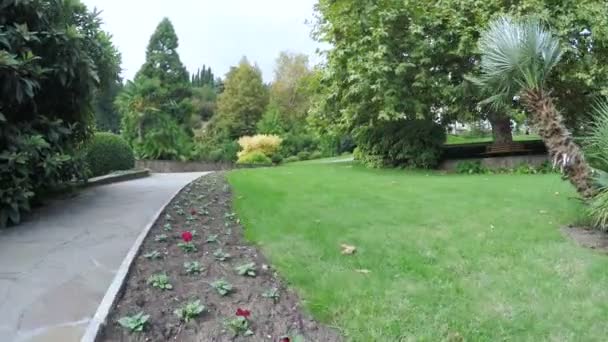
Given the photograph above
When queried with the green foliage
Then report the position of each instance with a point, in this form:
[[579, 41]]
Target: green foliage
[[254, 158], [517, 55], [193, 267], [247, 269], [408, 58], [291, 159], [304, 155], [292, 90], [222, 287], [162, 59], [271, 121], [212, 238], [296, 142], [220, 255], [152, 132], [188, 247], [107, 152], [597, 210], [153, 255], [52, 61], [404, 143], [216, 151], [161, 238], [107, 117], [272, 294], [203, 77], [160, 281], [36, 158], [190, 311], [240, 326], [135, 323], [471, 167], [595, 144], [242, 103]]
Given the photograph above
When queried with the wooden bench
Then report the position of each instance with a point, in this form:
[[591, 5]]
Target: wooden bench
[[505, 148]]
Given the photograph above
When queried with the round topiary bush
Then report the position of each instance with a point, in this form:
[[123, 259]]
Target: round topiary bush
[[107, 152]]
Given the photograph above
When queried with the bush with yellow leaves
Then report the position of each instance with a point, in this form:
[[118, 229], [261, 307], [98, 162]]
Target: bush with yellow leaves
[[265, 144]]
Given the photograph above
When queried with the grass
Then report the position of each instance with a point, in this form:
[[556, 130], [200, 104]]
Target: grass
[[452, 257], [461, 139]]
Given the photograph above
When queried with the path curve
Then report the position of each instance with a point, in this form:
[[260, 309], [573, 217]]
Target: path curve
[[56, 267]]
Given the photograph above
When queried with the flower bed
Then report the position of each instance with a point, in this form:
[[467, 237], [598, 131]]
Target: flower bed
[[195, 279]]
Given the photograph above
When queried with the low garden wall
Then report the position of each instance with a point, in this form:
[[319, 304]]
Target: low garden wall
[[503, 162], [167, 166]]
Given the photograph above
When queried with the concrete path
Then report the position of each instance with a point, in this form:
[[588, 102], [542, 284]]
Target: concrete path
[[56, 267]]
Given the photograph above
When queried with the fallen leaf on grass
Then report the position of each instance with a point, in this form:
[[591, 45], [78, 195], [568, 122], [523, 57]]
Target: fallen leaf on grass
[[363, 271], [348, 249]]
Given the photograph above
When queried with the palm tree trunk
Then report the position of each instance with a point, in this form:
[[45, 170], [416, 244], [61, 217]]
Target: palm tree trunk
[[565, 153]]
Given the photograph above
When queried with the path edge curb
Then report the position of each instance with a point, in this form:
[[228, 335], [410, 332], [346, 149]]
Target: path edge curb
[[117, 178], [109, 299]]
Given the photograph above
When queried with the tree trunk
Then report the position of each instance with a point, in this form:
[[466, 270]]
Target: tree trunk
[[501, 127], [565, 153]]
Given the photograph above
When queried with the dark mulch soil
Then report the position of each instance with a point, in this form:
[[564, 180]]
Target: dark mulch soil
[[211, 198], [589, 238]]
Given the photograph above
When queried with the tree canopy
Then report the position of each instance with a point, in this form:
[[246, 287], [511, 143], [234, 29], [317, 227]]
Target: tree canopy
[[243, 101], [162, 59]]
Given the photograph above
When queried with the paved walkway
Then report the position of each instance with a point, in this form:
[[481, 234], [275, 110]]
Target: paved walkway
[[55, 268]]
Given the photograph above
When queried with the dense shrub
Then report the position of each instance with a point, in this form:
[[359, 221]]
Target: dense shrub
[[471, 167], [265, 143], [37, 158], [108, 152], [294, 143], [254, 158], [291, 159], [316, 155], [304, 155], [53, 59], [406, 143], [598, 210]]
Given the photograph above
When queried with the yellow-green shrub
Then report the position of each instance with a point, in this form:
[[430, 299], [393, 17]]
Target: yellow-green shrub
[[265, 144]]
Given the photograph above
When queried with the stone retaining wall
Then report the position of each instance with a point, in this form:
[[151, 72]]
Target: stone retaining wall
[[167, 166]]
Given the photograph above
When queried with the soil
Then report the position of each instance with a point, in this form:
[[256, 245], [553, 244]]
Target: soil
[[589, 238], [210, 196]]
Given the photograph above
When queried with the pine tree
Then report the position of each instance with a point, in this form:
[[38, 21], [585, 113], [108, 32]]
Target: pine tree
[[162, 59]]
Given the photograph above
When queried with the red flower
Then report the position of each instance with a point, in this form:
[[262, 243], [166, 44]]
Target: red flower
[[285, 339], [187, 236], [192, 211], [243, 313]]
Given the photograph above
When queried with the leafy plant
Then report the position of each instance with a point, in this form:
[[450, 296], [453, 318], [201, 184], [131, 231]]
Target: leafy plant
[[471, 167], [240, 325], [193, 267], [190, 311], [135, 323], [153, 255], [254, 158], [212, 238], [220, 255], [222, 287], [188, 247], [247, 269], [161, 238], [273, 294], [598, 210], [160, 281]]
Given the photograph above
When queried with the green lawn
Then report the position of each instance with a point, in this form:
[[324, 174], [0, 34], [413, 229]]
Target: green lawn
[[451, 256], [459, 139]]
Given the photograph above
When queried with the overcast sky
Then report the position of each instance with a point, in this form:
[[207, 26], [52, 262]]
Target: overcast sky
[[212, 32]]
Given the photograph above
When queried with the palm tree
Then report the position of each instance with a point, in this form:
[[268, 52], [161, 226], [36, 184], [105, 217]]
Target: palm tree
[[517, 57]]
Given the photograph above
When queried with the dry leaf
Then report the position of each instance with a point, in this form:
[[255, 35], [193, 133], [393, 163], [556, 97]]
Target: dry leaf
[[348, 249], [363, 271]]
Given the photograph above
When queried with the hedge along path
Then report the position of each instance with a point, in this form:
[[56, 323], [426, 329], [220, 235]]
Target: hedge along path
[[204, 208]]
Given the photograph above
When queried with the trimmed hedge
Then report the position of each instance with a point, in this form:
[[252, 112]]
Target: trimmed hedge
[[401, 143], [107, 152]]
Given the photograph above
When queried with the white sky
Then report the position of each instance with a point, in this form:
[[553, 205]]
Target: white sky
[[212, 32]]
